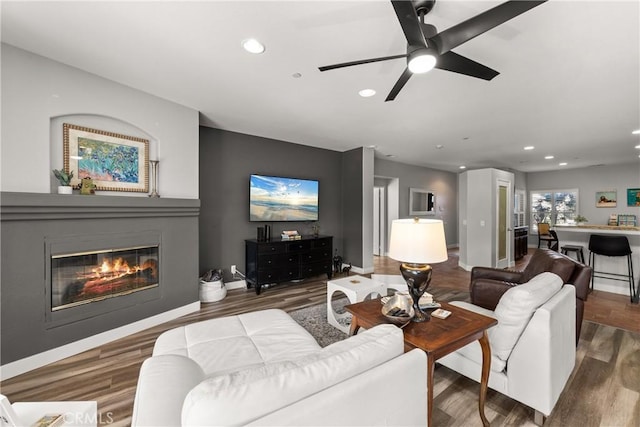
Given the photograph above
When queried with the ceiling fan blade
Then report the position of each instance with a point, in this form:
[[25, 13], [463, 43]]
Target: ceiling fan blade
[[458, 34], [409, 22], [451, 61], [362, 61], [404, 78]]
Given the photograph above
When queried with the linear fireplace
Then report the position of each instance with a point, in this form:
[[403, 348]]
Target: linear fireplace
[[92, 275], [86, 277]]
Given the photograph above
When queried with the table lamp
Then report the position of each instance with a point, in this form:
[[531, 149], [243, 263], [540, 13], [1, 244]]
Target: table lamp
[[416, 243]]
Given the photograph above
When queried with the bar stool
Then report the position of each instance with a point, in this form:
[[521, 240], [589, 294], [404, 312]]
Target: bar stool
[[611, 246], [574, 248]]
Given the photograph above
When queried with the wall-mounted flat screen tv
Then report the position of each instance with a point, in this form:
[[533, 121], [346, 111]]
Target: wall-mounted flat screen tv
[[274, 198]]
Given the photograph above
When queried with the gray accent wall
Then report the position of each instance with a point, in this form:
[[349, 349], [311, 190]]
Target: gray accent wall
[[352, 200], [443, 184], [227, 159], [31, 220]]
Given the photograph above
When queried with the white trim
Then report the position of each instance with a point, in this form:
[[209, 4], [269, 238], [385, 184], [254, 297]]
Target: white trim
[[360, 270], [30, 363], [465, 266], [237, 284]]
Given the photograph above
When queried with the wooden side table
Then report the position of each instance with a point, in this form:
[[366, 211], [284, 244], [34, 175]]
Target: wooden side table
[[437, 337]]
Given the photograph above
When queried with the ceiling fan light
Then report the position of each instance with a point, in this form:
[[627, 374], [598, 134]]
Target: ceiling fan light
[[422, 62]]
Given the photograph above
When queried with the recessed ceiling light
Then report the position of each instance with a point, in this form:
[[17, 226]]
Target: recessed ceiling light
[[366, 93], [562, 164], [636, 132], [372, 146], [252, 46], [548, 157], [296, 75], [439, 146], [390, 156], [463, 167], [529, 147], [637, 146]]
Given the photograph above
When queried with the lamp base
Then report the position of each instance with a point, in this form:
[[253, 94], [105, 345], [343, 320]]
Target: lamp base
[[418, 278]]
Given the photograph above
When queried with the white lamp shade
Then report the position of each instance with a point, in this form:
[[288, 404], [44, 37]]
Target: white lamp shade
[[418, 241]]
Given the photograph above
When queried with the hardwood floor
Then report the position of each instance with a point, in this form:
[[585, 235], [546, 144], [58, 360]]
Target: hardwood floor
[[108, 374]]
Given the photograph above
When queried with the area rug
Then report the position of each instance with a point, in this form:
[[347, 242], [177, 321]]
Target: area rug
[[314, 318]]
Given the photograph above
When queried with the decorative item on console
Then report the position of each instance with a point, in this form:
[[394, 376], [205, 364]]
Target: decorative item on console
[[415, 243]]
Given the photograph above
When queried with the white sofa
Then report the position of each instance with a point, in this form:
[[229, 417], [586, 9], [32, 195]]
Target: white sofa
[[262, 368], [532, 346]]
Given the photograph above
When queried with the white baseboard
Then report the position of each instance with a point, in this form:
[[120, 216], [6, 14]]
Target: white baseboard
[[41, 359], [237, 284], [465, 266], [360, 270]]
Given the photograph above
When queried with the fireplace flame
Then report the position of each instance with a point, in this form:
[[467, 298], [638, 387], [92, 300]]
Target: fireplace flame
[[119, 268]]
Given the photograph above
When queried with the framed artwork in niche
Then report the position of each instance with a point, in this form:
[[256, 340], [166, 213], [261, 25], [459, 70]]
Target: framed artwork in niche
[[606, 199], [113, 161]]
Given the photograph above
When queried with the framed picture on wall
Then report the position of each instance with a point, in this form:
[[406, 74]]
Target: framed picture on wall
[[113, 161], [633, 196], [606, 199]]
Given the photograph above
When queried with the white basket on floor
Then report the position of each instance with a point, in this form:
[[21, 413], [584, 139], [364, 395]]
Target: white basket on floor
[[212, 291]]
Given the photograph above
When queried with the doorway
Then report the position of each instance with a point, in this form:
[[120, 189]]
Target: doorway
[[379, 221], [503, 226]]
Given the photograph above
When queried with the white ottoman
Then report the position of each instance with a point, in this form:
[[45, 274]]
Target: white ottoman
[[356, 289]]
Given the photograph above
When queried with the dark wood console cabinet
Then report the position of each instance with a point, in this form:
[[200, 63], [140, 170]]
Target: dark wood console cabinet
[[277, 261], [521, 241]]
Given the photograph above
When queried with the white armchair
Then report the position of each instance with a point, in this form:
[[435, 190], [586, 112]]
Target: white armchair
[[532, 346]]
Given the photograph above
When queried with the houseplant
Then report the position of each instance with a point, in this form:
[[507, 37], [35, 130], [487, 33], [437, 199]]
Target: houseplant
[[64, 179], [579, 219]]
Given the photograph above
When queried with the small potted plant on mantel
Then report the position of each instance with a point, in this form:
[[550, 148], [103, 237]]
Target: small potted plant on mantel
[[64, 179]]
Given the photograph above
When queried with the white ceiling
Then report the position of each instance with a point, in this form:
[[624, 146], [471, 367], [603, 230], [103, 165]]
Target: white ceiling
[[569, 82]]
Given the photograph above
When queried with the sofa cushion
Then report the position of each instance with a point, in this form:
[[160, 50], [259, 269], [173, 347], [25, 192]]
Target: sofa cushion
[[473, 351], [243, 396], [515, 309], [231, 343]]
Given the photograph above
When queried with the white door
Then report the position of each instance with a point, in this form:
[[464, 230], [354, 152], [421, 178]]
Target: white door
[[378, 221], [503, 225]]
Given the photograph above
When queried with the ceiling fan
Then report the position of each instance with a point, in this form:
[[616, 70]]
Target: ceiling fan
[[428, 49]]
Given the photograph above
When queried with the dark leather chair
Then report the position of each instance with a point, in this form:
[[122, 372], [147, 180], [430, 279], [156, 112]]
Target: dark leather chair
[[489, 284]]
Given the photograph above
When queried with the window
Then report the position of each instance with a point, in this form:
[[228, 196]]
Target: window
[[553, 207]]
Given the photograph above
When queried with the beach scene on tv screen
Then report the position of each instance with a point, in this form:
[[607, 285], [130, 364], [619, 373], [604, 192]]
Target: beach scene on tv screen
[[283, 199]]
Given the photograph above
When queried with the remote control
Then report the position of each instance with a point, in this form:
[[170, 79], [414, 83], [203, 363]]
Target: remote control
[[441, 314]]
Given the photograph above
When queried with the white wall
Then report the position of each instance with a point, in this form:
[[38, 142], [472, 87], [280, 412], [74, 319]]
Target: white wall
[[37, 92], [477, 218], [588, 181], [443, 184]]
